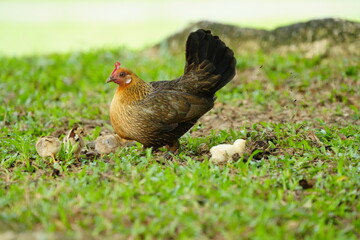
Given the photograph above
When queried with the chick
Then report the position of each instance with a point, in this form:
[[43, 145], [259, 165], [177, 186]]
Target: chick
[[73, 142], [224, 152], [48, 147], [107, 144]]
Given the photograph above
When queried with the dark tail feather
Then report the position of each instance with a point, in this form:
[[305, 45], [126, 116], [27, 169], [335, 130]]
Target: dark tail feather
[[210, 60]]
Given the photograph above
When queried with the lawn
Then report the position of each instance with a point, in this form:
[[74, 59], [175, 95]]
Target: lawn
[[299, 177]]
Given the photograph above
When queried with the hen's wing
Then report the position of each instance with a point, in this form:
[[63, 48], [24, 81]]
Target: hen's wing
[[167, 109]]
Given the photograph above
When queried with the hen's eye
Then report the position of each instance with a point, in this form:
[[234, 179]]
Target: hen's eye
[[122, 74]]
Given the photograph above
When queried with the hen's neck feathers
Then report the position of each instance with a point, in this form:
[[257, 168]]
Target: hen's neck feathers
[[136, 91]]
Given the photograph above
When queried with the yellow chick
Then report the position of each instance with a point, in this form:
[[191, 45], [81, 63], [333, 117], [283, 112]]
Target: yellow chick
[[48, 147], [107, 144], [73, 142], [224, 152]]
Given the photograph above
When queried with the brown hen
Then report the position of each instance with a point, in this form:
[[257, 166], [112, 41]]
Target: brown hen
[[159, 113]]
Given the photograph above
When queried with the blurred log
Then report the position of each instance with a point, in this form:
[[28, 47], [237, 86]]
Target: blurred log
[[325, 37]]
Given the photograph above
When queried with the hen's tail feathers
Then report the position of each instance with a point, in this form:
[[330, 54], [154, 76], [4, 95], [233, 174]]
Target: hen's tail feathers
[[209, 61]]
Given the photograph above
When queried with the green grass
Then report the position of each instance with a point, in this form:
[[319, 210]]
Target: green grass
[[298, 180]]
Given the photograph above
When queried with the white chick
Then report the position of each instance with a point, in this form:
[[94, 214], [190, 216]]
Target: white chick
[[48, 147], [107, 144], [224, 152], [73, 142]]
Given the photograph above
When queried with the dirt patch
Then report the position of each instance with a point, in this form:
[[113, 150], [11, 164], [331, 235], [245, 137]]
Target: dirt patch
[[321, 102], [232, 117]]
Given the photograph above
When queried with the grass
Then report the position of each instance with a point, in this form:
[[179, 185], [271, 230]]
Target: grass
[[299, 178]]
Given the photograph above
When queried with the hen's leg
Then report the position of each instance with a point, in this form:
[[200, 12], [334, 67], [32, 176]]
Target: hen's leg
[[172, 149]]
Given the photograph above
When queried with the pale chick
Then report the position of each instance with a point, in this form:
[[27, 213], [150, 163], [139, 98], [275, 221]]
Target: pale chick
[[224, 152], [73, 142], [107, 144], [48, 147]]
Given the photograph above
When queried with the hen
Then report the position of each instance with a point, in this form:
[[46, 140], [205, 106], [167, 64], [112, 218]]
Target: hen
[[159, 113]]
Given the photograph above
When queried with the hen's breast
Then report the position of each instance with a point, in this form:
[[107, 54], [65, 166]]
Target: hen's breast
[[130, 122], [121, 119]]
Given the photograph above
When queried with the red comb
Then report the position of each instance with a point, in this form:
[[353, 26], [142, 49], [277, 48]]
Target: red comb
[[117, 65]]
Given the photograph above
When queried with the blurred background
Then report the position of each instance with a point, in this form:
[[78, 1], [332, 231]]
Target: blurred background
[[30, 27]]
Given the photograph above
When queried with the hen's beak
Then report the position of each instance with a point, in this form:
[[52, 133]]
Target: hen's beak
[[110, 79]]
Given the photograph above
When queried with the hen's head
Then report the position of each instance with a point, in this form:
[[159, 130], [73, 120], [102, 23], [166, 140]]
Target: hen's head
[[121, 76]]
